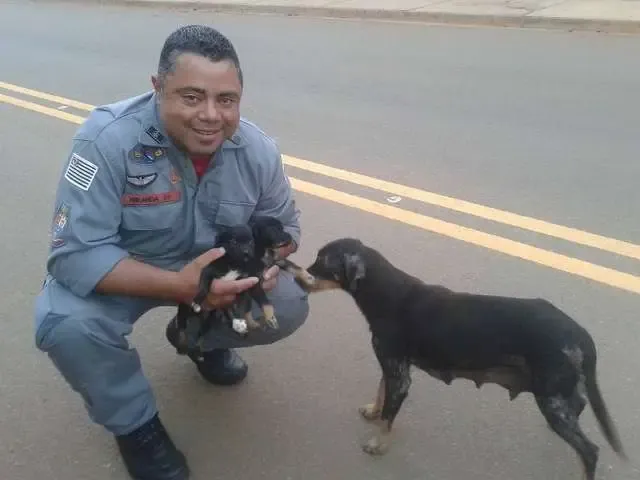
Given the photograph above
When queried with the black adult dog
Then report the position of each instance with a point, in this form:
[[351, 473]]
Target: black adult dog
[[524, 345], [249, 251]]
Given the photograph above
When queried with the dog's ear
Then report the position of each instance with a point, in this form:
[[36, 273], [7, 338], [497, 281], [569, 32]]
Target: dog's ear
[[354, 269]]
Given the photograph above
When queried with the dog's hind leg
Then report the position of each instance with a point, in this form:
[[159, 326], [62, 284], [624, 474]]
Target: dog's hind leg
[[182, 322], [397, 380], [562, 414], [245, 303], [372, 411], [262, 300]]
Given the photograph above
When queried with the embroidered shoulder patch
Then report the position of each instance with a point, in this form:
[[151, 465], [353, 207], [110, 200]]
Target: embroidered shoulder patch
[[80, 172]]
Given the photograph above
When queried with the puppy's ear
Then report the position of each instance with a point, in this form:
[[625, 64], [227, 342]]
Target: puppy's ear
[[354, 269]]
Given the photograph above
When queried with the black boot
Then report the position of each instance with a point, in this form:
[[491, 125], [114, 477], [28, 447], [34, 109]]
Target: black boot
[[149, 453], [221, 366]]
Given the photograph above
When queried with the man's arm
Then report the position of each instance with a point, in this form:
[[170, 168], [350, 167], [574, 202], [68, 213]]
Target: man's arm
[[85, 255], [85, 229], [130, 277]]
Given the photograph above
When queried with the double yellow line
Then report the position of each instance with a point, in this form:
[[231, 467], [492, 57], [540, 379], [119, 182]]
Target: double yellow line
[[524, 251]]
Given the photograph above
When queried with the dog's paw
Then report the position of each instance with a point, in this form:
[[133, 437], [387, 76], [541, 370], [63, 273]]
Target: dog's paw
[[369, 412], [307, 279], [239, 325], [270, 317], [376, 446], [272, 322]]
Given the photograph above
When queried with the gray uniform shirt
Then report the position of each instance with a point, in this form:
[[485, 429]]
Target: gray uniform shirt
[[126, 190]]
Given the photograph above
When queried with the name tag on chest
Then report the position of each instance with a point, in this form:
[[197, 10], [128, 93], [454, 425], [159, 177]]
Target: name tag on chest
[[145, 199]]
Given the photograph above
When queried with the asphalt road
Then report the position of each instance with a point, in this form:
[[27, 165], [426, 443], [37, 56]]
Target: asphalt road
[[538, 123]]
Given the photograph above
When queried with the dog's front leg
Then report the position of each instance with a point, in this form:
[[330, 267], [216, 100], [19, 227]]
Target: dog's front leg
[[304, 279], [372, 411], [397, 380]]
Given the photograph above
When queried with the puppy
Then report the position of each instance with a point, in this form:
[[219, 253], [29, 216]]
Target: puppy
[[237, 262], [524, 345], [270, 236], [250, 251]]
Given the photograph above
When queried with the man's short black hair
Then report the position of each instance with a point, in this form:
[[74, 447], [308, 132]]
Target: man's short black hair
[[199, 40]]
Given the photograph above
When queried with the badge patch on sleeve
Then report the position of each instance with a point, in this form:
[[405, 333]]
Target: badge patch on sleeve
[[80, 172], [60, 222], [141, 180]]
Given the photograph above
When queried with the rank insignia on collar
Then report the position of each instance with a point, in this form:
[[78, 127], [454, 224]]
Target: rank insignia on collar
[[155, 134]]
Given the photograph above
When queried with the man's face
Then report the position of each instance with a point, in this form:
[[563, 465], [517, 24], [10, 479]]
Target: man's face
[[200, 103]]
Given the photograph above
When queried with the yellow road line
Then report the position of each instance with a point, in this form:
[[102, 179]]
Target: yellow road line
[[574, 235], [554, 260], [527, 223], [52, 112], [598, 273], [46, 96]]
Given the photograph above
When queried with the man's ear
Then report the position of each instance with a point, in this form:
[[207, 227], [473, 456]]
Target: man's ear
[[354, 269]]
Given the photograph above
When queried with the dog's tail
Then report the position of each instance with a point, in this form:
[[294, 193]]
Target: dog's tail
[[600, 410]]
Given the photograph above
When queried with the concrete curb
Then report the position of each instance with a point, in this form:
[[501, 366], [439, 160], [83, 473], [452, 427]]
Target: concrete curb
[[443, 18]]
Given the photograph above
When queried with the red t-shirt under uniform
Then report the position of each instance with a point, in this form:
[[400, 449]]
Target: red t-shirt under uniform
[[200, 164]]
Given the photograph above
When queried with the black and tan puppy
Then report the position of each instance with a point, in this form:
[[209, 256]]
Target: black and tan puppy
[[250, 251], [238, 262], [524, 345], [270, 236]]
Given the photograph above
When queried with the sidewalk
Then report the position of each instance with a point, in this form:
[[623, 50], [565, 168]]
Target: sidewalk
[[616, 16]]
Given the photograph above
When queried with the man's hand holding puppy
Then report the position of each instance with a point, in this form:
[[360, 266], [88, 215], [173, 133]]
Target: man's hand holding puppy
[[223, 292]]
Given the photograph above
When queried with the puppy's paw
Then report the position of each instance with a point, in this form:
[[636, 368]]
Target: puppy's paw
[[272, 322], [239, 325], [376, 446], [270, 317], [307, 279], [369, 412]]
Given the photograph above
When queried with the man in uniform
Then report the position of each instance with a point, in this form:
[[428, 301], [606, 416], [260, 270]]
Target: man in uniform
[[148, 182]]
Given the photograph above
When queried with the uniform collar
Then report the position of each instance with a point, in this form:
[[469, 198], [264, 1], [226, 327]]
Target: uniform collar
[[153, 134], [237, 140]]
